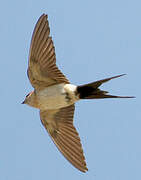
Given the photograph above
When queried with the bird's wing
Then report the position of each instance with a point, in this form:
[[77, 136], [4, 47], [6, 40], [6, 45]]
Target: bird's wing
[[59, 124], [42, 70]]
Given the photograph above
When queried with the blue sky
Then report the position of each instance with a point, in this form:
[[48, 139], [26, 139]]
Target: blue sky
[[93, 40]]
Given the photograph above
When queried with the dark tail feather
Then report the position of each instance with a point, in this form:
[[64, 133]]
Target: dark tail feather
[[92, 91]]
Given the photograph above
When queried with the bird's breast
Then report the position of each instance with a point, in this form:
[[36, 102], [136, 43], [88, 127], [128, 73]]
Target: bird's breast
[[55, 97]]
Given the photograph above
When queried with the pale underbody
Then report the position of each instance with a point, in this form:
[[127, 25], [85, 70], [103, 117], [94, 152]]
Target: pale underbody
[[54, 97]]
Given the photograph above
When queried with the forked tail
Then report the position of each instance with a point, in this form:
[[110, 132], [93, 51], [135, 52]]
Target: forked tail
[[92, 91]]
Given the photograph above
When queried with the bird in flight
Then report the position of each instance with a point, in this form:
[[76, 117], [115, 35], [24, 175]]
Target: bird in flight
[[55, 97]]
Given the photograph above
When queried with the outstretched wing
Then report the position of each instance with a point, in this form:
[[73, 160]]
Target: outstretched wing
[[42, 69], [59, 124]]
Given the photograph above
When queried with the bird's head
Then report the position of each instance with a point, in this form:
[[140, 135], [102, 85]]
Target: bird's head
[[29, 99]]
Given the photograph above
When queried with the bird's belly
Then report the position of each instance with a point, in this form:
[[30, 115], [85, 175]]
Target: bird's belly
[[53, 97]]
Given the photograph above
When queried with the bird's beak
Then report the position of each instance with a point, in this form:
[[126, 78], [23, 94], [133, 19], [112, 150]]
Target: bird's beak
[[23, 102]]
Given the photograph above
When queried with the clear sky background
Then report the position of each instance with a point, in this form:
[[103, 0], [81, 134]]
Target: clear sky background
[[93, 40]]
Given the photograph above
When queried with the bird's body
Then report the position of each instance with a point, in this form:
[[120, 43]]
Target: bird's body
[[55, 97]]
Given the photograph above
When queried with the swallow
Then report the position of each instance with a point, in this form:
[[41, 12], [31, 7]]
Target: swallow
[[55, 96]]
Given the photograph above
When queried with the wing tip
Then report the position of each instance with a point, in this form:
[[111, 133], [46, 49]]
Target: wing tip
[[44, 15], [85, 170]]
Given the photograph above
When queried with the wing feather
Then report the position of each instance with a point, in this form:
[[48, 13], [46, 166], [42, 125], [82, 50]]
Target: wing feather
[[59, 124], [42, 69]]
